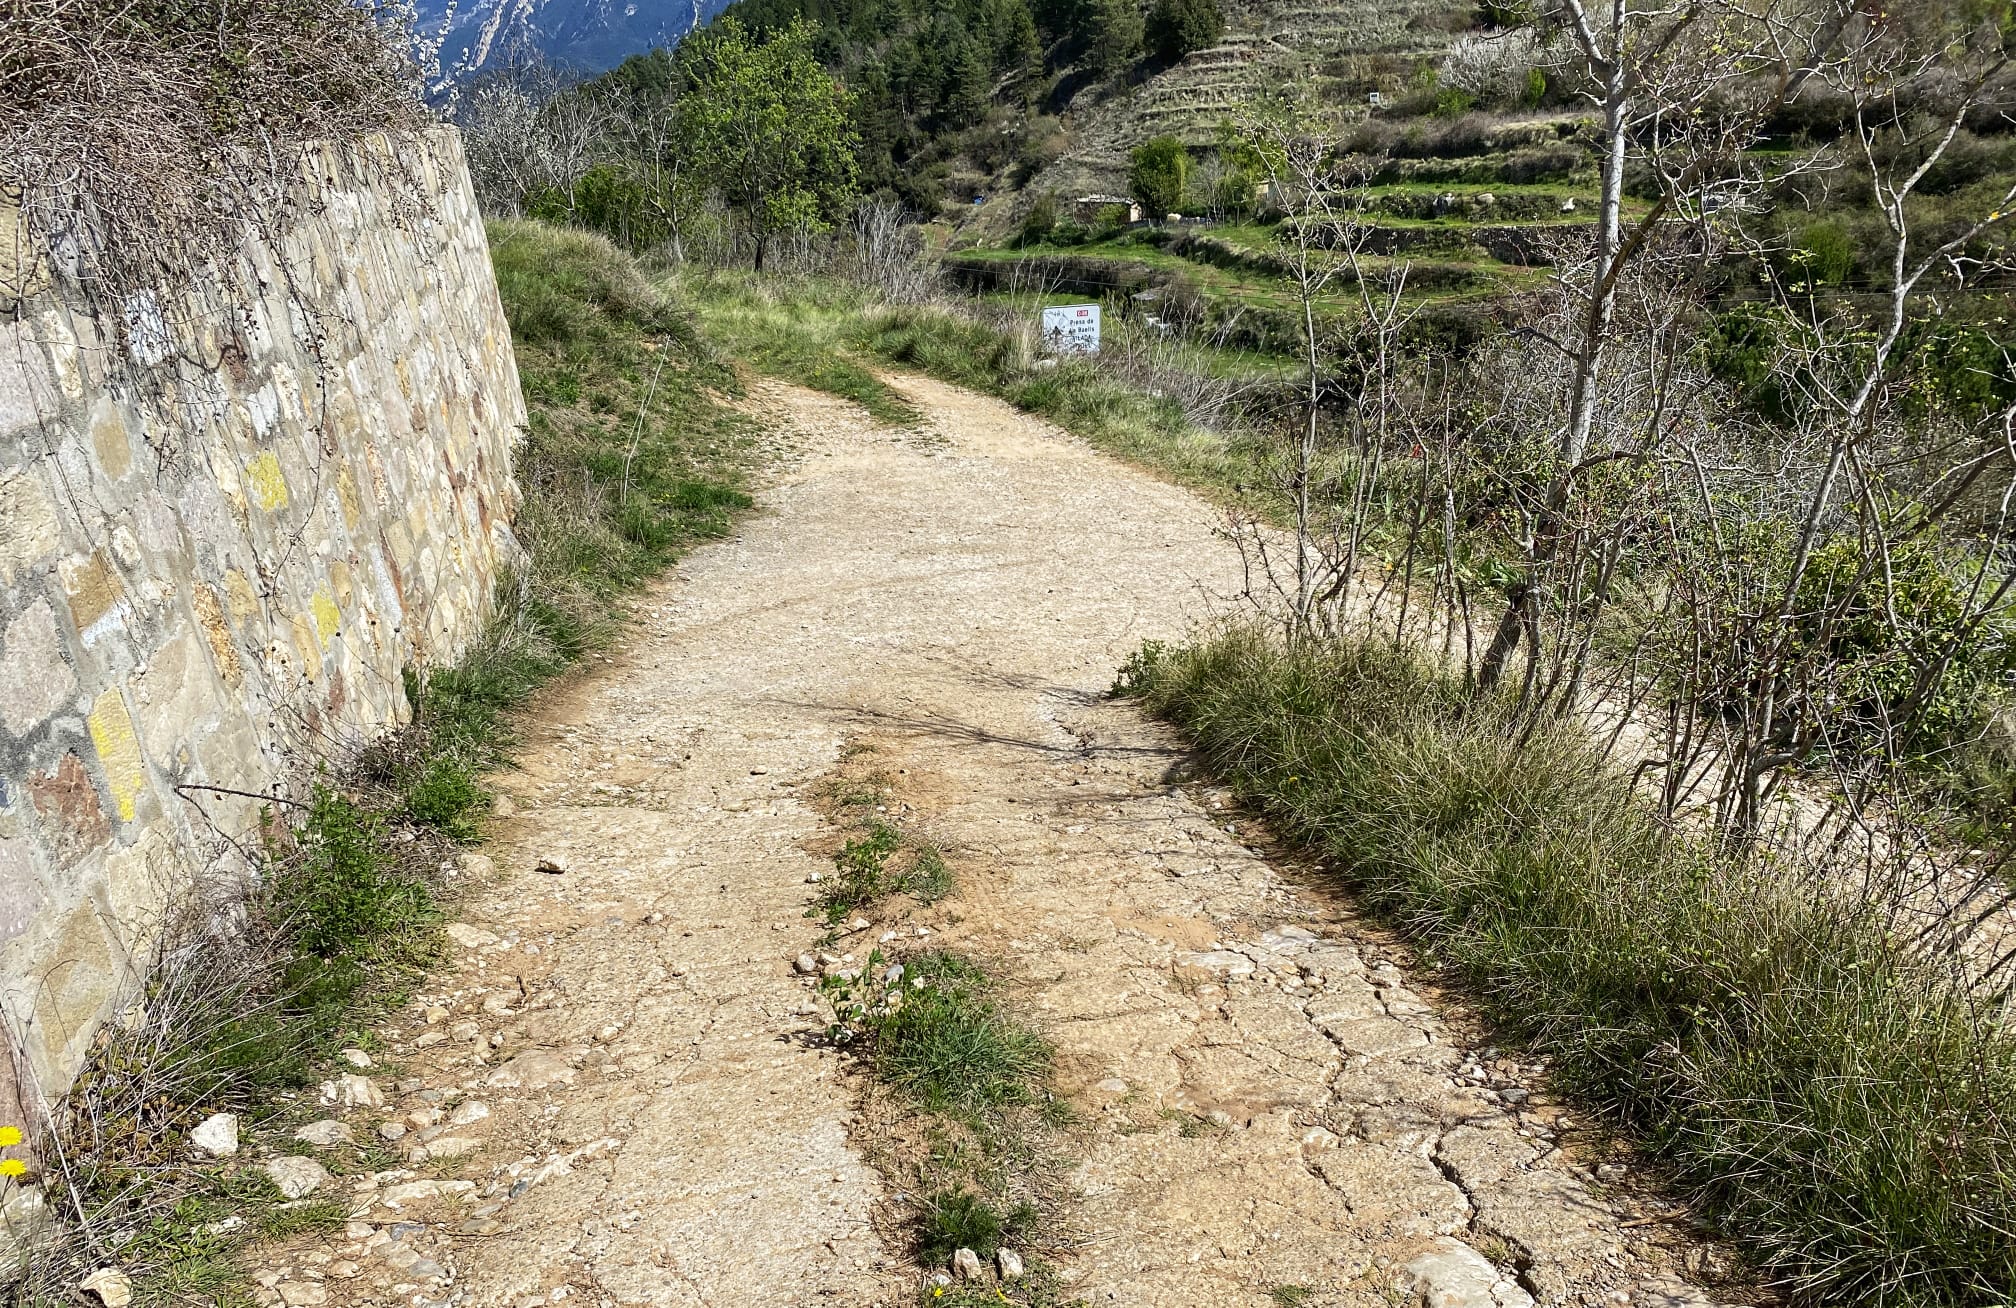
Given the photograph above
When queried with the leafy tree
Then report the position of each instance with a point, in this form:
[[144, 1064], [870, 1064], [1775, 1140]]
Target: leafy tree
[[768, 128], [1158, 173], [1177, 27], [1113, 33]]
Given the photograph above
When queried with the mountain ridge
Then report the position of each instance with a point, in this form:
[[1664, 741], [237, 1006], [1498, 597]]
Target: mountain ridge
[[590, 36]]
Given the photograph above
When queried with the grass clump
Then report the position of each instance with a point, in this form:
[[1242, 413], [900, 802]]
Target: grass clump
[[934, 1031], [1839, 1101], [957, 1218]]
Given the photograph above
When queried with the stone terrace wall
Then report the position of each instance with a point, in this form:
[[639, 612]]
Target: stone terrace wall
[[228, 523]]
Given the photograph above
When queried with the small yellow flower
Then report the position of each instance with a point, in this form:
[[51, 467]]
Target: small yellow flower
[[13, 1167], [9, 1136]]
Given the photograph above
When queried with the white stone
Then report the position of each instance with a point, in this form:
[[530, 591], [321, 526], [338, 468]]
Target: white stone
[[472, 1110], [302, 1294], [297, 1177], [112, 1286], [217, 1135], [471, 937], [415, 1191], [1010, 1263], [357, 1058], [966, 1265], [1453, 1275], [324, 1133], [353, 1091]]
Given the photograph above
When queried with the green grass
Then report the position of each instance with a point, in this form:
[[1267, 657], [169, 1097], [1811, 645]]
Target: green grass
[[951, 1046], [810, 345], [958, 1219], [1836, 1103]]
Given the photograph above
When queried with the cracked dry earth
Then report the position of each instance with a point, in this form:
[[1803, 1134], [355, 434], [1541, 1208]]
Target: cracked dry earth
[[618, 1093]]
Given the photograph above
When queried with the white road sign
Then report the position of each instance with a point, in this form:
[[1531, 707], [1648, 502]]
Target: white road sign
[[1072, 329]]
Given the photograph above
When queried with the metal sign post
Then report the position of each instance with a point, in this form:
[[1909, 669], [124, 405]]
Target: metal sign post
[[1072, 329]]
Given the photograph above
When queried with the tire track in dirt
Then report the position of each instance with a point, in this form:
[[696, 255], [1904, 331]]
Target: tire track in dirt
[[1274, 1112]]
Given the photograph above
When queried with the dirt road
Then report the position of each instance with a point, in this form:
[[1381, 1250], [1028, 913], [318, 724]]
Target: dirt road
[[617, 1095]]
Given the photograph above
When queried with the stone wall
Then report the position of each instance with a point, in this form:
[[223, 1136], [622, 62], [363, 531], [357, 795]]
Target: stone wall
[[230, 519]]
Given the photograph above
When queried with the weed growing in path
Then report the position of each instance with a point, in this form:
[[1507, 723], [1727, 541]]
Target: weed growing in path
[[932, 1029], [880, 863]]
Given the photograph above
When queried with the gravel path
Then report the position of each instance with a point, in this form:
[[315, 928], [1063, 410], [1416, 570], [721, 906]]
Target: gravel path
[[1275, 1109]]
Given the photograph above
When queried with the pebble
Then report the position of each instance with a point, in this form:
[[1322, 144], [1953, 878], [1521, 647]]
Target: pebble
[[553, 866], [297, 1177], [324, 1133], [217, 1135], [1010, 1263], [805, 964], [435, 1013], [966, 1265], [301, 1294], [391, 1130], [470, 1110], [353, 1091], [357, 1058]]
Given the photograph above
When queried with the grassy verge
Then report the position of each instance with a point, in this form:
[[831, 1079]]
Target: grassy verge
[[627, 462], [802, 331], [1835, 1102], [847, 329]]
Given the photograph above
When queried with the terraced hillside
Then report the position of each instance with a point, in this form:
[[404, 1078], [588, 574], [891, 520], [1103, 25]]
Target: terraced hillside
[[1352, 47]]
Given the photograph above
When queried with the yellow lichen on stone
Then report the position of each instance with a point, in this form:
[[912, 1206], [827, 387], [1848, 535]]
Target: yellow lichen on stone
[[267, 482], [118, 752], [346, 495], [328, 618]]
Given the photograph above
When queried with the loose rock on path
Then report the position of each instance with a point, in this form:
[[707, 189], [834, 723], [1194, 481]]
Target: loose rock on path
[[617, 1095]]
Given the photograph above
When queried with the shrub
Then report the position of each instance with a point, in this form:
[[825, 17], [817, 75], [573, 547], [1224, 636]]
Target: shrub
[[1825, 256], [1158, 174], [1177, 27], [1039, 221]]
